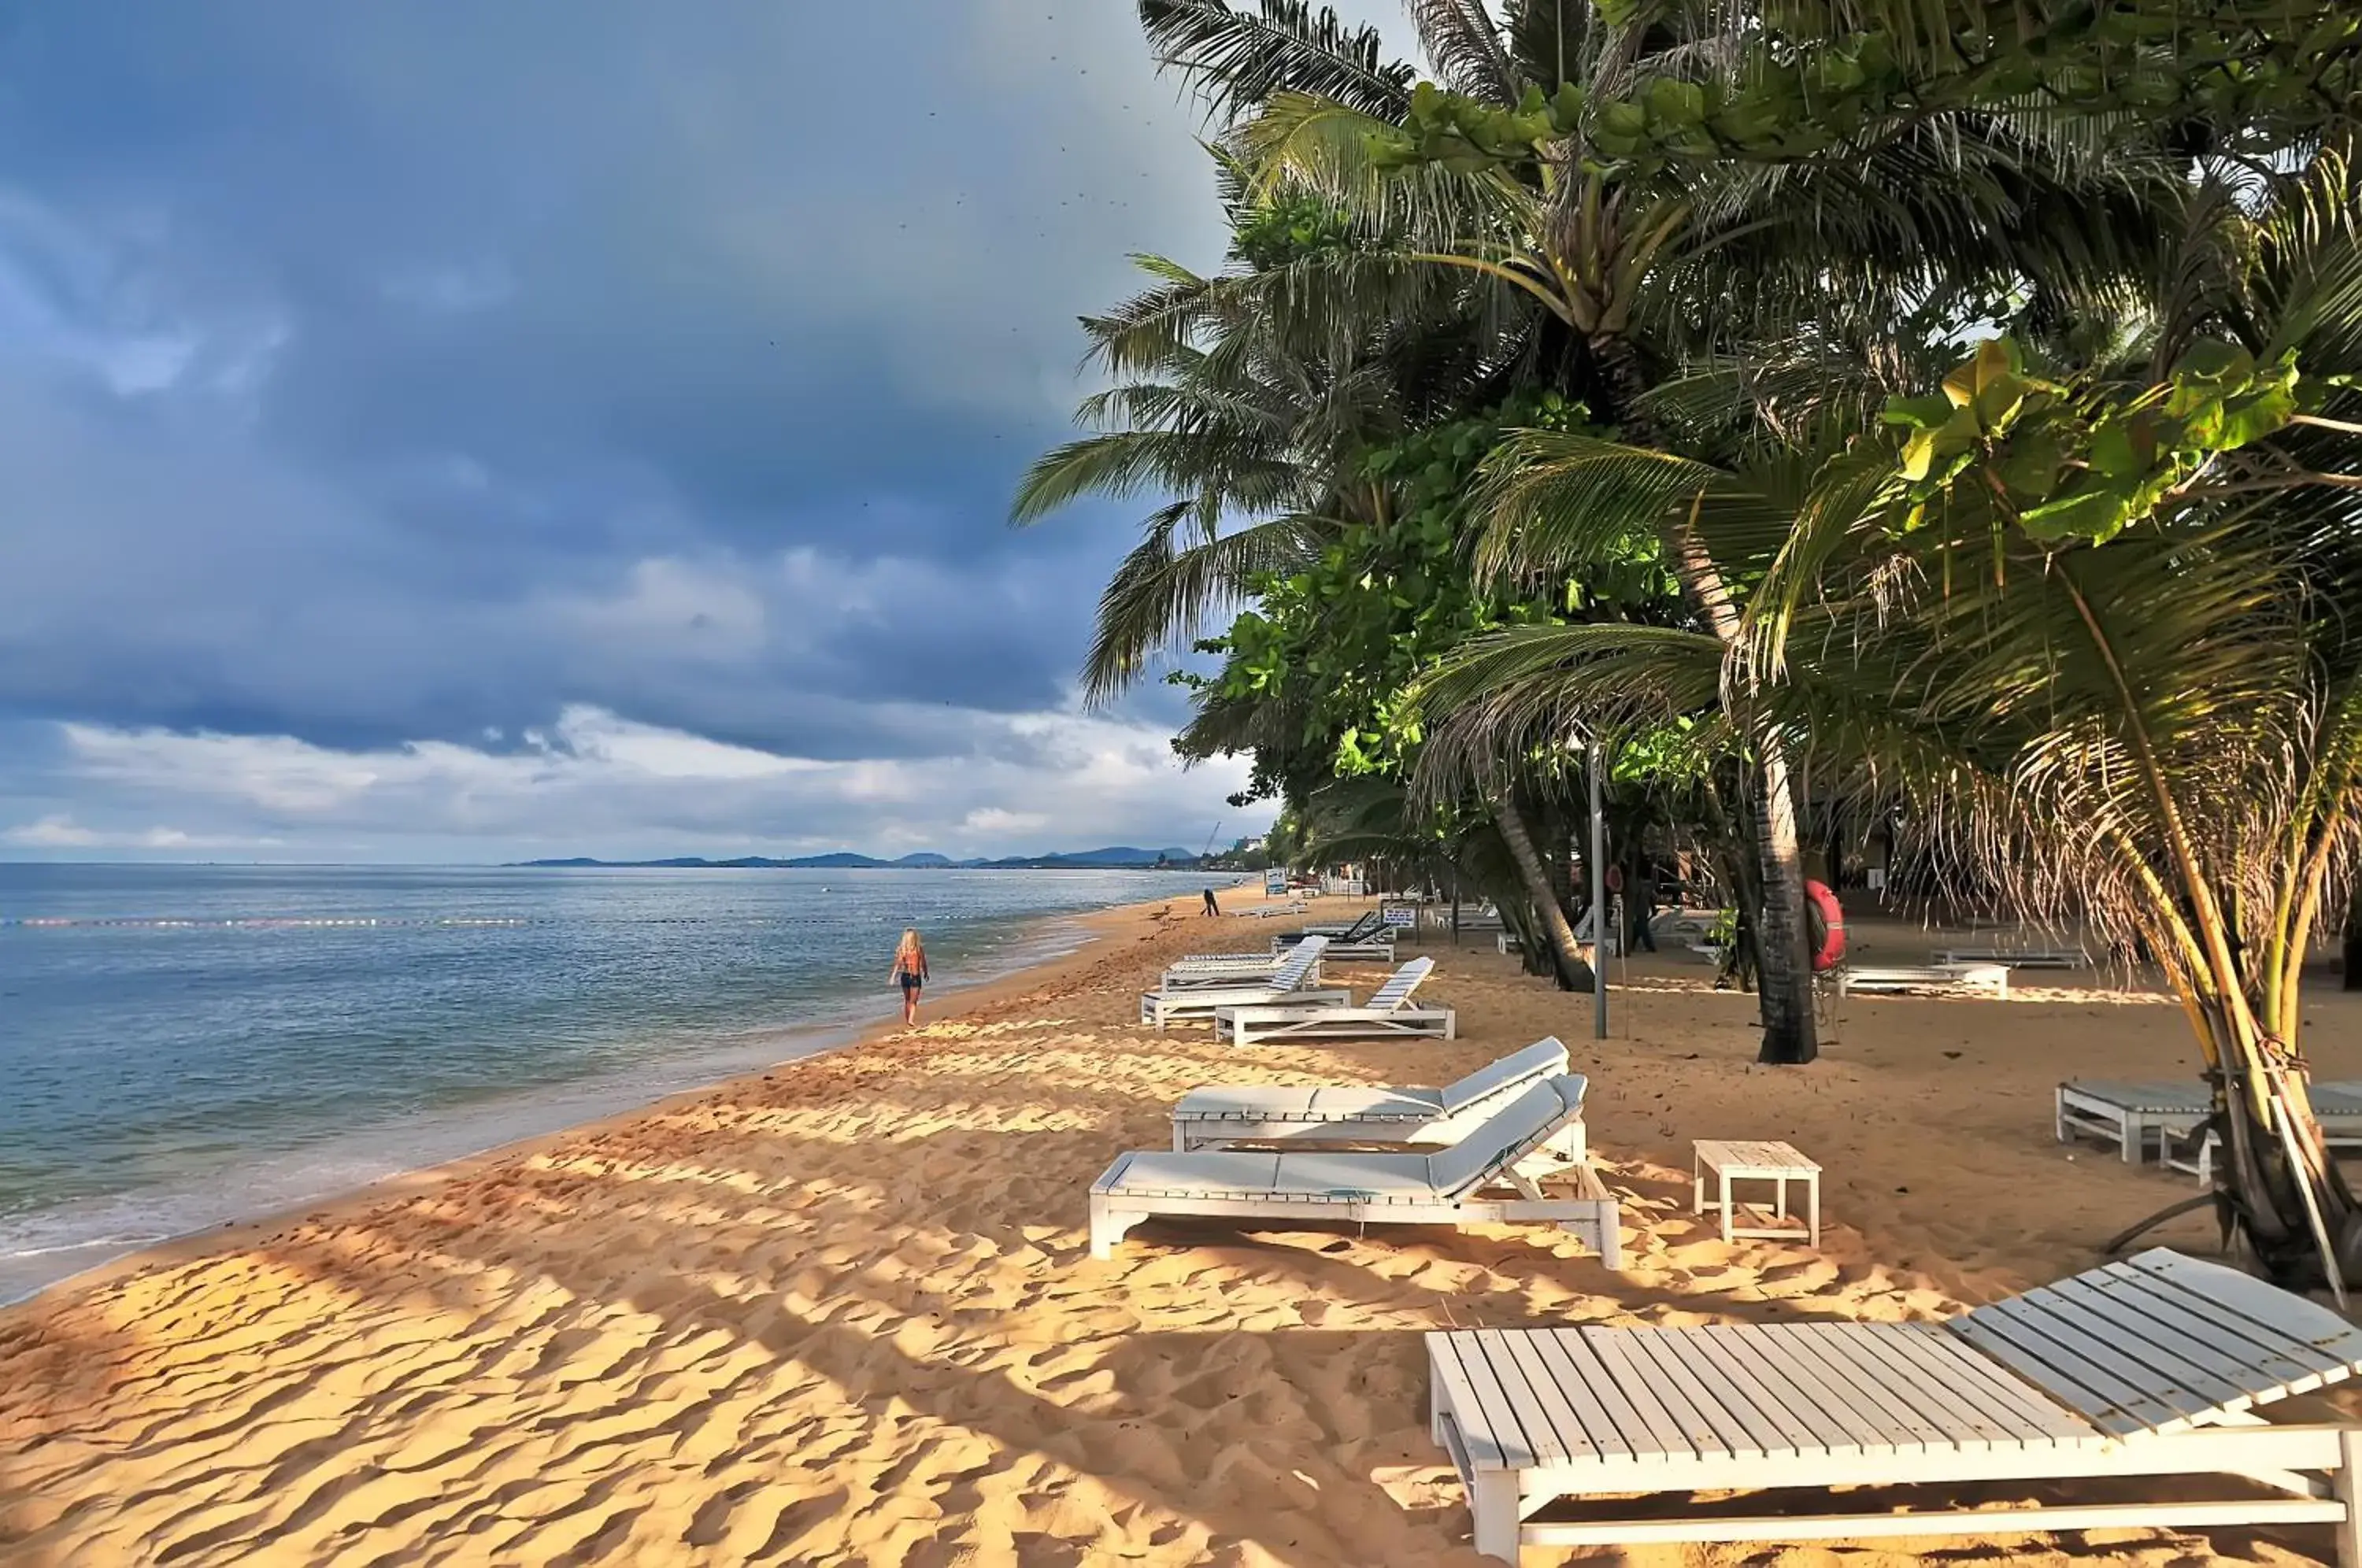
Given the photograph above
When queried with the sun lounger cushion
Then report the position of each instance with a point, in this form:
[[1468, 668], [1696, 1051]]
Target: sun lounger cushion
[[1257, 1103], [1541, 1058], [1153, 1174], [1501, 1140], [1506, 1136]]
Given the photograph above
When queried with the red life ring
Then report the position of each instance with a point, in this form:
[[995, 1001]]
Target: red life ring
[[1824, 903]]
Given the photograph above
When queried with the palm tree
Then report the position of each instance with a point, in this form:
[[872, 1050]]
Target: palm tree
[[2095, 626], [1629, 274]]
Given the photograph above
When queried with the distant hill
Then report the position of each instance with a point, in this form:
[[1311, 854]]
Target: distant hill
[[1114, 857], [1121, 856]]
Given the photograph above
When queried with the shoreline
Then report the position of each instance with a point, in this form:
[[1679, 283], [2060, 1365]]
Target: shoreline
[[822, 1039]]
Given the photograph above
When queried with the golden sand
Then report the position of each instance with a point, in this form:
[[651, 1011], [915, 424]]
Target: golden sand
[[843, 1312]]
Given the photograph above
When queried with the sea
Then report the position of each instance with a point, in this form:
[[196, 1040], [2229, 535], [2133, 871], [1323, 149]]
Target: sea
[[186, 1046]]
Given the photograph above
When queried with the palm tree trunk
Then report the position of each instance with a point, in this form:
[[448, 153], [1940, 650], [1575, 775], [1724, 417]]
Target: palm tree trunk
[[1573, 974], [1785, 972], [1786, 968]]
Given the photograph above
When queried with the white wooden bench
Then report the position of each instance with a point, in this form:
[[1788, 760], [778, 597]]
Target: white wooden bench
[[2148, 1367], [1990, 979], [1779, 1163]]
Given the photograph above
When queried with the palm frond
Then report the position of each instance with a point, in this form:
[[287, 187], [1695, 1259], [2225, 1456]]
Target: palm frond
[[1237, 60], [1550, 499], [1163, 591], [1465, 46]]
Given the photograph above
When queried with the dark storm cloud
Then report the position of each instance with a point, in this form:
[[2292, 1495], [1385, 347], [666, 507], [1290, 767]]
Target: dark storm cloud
[[376, 373]]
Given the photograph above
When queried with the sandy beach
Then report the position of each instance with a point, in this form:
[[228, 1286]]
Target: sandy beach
[[843, 1312]]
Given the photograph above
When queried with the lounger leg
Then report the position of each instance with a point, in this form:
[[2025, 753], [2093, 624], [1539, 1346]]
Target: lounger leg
[[1493, 1499], [1610, 1243], [1109, 1227], [2350, 1492], [1726, 1205], [1813, 1207], [2136, 1138]]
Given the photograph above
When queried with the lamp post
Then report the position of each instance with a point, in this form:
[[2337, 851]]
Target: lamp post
[[1598, 903]]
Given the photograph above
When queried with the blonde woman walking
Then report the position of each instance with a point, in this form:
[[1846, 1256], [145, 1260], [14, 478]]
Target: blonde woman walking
[[910, 972]]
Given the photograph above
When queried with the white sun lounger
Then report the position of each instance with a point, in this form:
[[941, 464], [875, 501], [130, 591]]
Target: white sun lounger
[[2136, 1116], [2015, 957], [1372, 950], [1446, 1188], [1200, 969], [1386, 1015], [1989, 979], [2147, 1367], [1368, 939], [1290, 982], [1260, 1113]]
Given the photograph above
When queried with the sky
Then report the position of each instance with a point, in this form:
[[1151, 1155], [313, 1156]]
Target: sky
[[441, 432]]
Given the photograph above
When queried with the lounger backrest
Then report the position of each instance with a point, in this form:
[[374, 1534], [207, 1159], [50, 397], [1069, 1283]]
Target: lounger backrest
[[1400, 983], [1301, 961], [1362, 930], [1508, 1135], [1539, 1060], [2161, 1342]]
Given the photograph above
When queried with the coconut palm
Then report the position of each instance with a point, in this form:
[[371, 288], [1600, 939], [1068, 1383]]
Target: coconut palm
[[2093, 623], [1632, 271]]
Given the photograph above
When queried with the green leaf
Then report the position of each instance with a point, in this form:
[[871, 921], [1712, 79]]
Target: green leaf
[[1918, 413], [2097, 514], [1676, 104]]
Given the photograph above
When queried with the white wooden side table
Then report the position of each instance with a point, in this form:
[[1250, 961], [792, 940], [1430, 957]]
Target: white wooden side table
[[1779, 1163]]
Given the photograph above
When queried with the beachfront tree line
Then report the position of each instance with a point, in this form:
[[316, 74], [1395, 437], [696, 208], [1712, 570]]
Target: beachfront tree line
[[1953, 404]]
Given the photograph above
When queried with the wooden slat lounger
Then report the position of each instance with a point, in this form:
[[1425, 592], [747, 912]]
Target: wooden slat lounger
[[1985, 979], [1260, 1113], [2148, 1367], [2136, 1116], [1386, 1015], [1290, 982], [1447, 1188]]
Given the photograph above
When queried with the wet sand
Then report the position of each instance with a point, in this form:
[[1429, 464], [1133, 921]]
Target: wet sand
[[843, 1312]]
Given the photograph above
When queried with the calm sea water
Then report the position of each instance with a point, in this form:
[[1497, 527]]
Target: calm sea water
[[185, 1045]]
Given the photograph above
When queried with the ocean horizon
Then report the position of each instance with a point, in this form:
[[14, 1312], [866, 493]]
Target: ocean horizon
[[189, 1046]]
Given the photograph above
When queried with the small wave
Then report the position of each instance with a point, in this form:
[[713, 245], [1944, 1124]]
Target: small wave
[[122, 1242]]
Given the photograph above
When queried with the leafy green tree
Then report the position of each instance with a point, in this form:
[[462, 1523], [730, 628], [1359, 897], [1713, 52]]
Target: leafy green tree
[[1315, 677]]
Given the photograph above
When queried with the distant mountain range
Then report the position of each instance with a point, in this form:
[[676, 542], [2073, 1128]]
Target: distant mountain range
[[1114, 857]]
